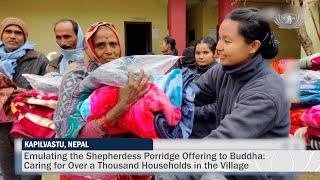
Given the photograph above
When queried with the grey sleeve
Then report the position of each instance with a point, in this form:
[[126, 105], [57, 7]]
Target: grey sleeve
[[207, 84], [206, 112], [251, 117]]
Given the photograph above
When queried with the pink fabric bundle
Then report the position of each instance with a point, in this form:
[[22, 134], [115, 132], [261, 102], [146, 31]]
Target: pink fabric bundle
[[33, 111], [139, 119], [311, 117]]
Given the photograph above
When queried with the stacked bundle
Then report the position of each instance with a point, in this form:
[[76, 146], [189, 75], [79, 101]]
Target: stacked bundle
[[33, 111], [305, 114], [166, 111]]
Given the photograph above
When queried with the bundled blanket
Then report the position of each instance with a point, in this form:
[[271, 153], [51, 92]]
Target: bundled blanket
[[33, 111], [312, 117], [184, 128], [296, 116], [139, 118], [6, 89]]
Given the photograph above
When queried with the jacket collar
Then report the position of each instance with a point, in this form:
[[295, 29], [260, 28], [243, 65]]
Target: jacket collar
[[202, 70], [30, 54], [247, 70]]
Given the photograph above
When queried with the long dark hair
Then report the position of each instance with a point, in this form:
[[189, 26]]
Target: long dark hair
[[254, 27], [172, 42]]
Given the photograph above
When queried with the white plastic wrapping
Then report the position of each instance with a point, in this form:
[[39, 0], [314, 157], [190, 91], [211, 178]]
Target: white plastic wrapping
[[116, 73], [48, 83]]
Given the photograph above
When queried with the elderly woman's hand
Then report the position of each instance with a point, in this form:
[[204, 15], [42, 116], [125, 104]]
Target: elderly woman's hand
[[128, 95], [133, 91]]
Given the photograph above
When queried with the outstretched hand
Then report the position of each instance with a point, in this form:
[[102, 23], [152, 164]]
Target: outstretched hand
[[134, 90], [128, 95]]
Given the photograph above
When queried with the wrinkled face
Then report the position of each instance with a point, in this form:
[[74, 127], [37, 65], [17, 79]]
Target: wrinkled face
[[203, 55], [12, 38], [105, 45], [232, 48], [66, 38], [164, 48]]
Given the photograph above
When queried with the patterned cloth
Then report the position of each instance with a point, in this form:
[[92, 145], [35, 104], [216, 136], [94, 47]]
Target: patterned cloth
[[311, 117], [67, 118], [184, 127], [171, 85], [296, 116], [33, 111], [139, 119]]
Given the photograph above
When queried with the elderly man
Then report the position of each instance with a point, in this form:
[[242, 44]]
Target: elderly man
[[69, 38], [17, 56]]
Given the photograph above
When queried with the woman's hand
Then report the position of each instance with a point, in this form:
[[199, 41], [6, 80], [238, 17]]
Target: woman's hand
[[128, 95], [133, 91]]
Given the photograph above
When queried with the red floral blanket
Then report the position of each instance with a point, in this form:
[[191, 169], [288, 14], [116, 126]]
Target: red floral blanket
[[33, 111]]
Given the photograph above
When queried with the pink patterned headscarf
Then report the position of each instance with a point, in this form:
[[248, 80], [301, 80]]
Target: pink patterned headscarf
[[93, 28]]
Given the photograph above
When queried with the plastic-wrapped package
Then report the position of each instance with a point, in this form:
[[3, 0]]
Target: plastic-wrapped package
[[116, 73], [48, 83]]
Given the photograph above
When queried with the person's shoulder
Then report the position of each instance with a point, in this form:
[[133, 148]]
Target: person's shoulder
[[56, 61], [74, 66], [33, 54], [270, 84]]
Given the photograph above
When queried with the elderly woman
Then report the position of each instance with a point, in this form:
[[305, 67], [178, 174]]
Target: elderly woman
[[103, 46]]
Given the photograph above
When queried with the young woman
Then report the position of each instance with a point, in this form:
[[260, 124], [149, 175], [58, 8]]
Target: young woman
[[250, 95], [204, 114], [204, 54], [168, 47]]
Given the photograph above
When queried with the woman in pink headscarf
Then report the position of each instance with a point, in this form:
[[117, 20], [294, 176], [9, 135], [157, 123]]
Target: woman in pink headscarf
[[103, 46]]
